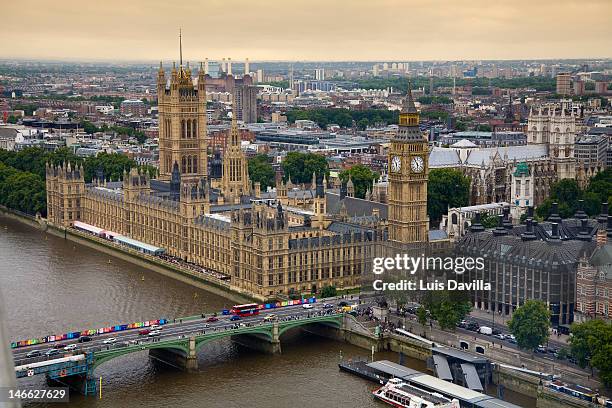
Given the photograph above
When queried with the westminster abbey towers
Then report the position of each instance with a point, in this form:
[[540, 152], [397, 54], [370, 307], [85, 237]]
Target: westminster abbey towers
[[408, 173]]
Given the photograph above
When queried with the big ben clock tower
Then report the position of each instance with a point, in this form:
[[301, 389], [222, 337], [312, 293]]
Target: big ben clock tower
[[408, 173]]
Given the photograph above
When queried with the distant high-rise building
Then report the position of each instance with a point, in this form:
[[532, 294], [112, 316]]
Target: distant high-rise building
[[245, 103], [375, 70], [229, 66], [260, 75], [320, 74], [564, 83], [385, 66], [247, 67]]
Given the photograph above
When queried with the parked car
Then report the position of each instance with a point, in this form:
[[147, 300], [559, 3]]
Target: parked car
[[473, 326], [485, 330], [499, 336]]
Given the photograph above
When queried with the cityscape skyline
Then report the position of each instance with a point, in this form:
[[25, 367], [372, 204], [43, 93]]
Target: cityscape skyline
[[312, 31]]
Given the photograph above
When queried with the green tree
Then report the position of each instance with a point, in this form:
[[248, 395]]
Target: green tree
[[421, 314], [363, 124], [590, 344], [363, 178], [460, 126], [89, 127], [447, 307], [328, 291], [530, 324], [12, 119], [300, 166], [488, 220], [447, 188], [260, 170]]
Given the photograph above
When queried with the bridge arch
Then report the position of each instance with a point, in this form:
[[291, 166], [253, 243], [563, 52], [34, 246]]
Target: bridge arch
[[104, 356], [264, 330], [335, 321]]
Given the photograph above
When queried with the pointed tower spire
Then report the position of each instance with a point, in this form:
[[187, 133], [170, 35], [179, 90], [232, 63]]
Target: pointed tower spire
[[408, 105], [180, 48]]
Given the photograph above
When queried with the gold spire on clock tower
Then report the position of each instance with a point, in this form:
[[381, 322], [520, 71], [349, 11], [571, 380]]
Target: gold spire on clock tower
[[408, 174]]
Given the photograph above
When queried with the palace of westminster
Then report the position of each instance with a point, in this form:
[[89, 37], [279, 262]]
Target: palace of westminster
[[288, 240]]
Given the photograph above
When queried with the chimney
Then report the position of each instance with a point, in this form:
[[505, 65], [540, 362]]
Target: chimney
[[580, 214], [554, 213], [500, 230], [528, 235], [603, 216], [476, 225], [554, 236], [602, 237], [584, 235], [507, 223]]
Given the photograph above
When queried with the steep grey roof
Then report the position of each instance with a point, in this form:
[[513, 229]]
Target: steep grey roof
[[486, 155], [441, 157], [354, 206]]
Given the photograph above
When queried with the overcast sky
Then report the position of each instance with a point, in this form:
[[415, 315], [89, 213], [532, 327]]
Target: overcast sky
[[373, 30]]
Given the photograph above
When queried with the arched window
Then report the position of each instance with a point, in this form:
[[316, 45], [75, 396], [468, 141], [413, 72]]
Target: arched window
[[184, 165], [194, 129], [195, 164], [183, 127], [188, 133]]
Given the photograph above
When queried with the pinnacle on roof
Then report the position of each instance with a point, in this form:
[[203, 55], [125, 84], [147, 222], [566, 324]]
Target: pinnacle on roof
[[408, 105]]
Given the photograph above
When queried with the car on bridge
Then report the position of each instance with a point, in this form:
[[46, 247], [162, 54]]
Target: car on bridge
[[110, 340], [212, 319], [84, 339], [70, 347], [144, 332], [155, 333], [33, 353], [270, 317], [234, 318], [52, 352], [307, 306], [327, 306], [59, 346]]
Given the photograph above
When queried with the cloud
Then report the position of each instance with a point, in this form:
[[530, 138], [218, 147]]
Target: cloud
[[308, 29]]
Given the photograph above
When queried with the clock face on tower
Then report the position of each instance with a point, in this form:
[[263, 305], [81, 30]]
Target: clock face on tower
[[396, 164], [417, 165]]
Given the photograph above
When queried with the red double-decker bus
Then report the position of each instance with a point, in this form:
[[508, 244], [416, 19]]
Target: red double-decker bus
[[250, 309]]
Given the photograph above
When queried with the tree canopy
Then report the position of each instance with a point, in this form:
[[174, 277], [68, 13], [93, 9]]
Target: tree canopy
[[22, 178], [363, 178], [260, 170], [530, 324], [300, 166], [447, 307], [567, 193], [591, 344], [344, 117], [447, 188]]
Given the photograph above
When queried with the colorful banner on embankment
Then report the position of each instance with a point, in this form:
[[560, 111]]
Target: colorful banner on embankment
[[89, 332]]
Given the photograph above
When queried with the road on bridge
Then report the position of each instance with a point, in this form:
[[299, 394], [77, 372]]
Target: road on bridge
[[178, 328]]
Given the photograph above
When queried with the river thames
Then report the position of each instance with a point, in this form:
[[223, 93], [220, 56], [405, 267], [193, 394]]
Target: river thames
[[51, 285]]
